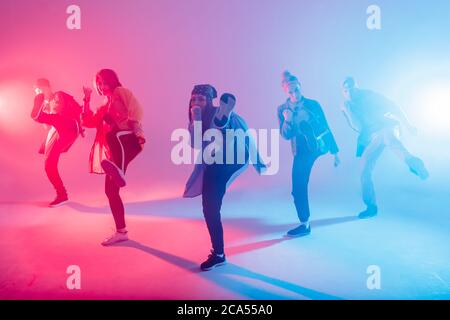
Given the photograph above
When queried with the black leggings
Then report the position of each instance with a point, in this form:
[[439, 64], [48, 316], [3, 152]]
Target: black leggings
[[51, 169], [124, 147], [215, 181]]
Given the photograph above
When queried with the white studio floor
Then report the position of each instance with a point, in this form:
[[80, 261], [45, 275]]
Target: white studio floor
[[168, 239]]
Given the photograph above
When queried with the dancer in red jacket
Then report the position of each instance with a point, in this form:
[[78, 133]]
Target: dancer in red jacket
[[119, 139]]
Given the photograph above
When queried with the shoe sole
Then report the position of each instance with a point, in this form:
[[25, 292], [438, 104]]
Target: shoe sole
[[417, 167], [112, 170], [216, 265], [297, 235], [58, 204], [110, 244]]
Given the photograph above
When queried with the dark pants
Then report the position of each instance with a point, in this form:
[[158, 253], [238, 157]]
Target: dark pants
[[301, 171], [51, 169], [123, 148], [215, 181], [60, 141]]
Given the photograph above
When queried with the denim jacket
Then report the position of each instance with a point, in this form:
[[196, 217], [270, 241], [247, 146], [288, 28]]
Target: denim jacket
[[195, 182], [291, 131]]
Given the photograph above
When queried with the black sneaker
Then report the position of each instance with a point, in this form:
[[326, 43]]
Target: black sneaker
[[370, 212], [213, 261], [300, 231], [59, 201]]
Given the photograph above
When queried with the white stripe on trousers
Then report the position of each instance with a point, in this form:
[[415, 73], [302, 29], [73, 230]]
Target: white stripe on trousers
[[118, 135]]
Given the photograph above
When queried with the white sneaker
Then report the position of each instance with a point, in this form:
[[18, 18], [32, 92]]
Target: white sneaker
[[115, 238], [417, 167]]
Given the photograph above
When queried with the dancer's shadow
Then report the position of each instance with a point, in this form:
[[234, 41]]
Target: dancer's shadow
[[168, 257], [332, 221], [253, 226], [226, 277], [178, 208], [260, 226], [248, 247], [88, 209], [275, 228], [234, 270], [40, 204], [174, 207]]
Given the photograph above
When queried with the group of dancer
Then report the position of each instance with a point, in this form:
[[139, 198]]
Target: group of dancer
[[120, 138]]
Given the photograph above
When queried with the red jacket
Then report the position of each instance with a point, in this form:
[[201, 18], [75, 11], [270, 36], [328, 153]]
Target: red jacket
[[115, 115]]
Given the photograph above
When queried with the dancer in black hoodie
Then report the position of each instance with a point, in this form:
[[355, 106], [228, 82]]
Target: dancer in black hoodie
[[61, 113], [212, 180]]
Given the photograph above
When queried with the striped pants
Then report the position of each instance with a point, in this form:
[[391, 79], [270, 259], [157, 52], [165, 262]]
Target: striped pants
[[124, 147]]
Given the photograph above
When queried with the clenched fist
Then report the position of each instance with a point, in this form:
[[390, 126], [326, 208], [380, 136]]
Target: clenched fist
[[287, 114], [196, 113]]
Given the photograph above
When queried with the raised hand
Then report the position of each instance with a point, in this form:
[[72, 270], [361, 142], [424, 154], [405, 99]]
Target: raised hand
[[287, 114], [87, 92], [196, 113]]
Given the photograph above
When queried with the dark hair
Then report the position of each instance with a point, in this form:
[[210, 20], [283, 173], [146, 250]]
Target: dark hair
[[349, 82], [206, 90], [209, 104], [109, 77], [226, 97], [288, 77]]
